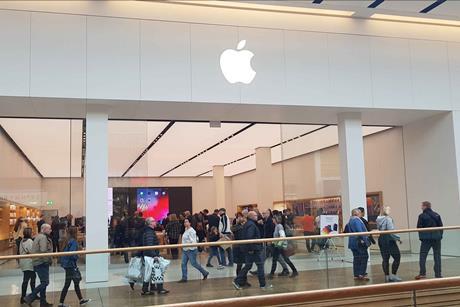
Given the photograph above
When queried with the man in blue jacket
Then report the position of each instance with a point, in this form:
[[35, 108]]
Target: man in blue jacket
[[430, 239], [358, 245]]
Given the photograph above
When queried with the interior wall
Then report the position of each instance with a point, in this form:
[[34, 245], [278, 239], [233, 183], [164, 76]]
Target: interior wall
[[19, 182], [59, 191], [431, 171]]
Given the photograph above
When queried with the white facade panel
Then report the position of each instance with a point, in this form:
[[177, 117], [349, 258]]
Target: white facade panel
[[391, 74], [208, 82], [14, 53], [165, 61], [58, 57], [113, 58], [268, 85], [307, 68], [454, 70], [349, 60], [430, 75]]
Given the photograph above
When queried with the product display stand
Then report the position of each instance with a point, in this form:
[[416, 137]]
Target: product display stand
[[329, 251]]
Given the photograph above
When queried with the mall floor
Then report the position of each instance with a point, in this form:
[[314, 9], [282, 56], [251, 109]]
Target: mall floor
[[313, 275]]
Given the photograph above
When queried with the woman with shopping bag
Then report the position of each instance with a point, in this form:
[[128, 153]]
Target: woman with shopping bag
[[280, 248]]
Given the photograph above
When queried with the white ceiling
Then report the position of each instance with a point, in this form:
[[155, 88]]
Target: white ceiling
[[46, 143], [448, 8]]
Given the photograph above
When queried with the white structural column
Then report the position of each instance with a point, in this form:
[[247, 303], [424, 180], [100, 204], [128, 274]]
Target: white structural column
[[219, 185], [264, 178], [96, 183], [351, 150]]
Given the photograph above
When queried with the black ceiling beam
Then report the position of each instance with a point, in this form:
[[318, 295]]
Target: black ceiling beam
[[162, 133], [376, 3], [432, 6], [273, 146], [16, 146], [209, 148]]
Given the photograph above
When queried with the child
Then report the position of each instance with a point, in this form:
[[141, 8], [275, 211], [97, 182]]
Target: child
[[214, 236]]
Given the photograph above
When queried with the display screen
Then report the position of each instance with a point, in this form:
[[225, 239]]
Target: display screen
[[153, 202]]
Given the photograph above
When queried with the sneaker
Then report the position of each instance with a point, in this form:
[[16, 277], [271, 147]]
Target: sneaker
[[395, 278], [45, 304], [182, 281], [363, 278], [237, 286], [209, 265], [85, 301], [163, 291], [294, 274], [266, 287], [418, 277], [205, 276], [28, 300], [387, 278], [131, 285], [283, 273], [220, 267], [147, 293]]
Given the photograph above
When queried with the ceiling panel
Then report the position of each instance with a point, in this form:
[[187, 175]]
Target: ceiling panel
[[181, 142], [127, 140], [260, 135], [48, 143]]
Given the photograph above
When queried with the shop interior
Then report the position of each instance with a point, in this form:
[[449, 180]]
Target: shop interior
[[168, 166]]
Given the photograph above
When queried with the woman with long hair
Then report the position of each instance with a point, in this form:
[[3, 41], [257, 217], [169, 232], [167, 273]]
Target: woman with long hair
[[190, 253], [25, 247], [72, 273], [280, 248], [18, 233]]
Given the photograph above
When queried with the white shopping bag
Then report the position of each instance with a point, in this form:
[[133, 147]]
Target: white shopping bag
[[148, 266], [135, 269]]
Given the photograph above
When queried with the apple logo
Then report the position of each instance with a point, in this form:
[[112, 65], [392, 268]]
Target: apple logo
[[236, 64]]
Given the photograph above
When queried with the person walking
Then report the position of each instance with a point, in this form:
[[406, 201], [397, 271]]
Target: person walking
[[173, 229], [29, 276], [308, 223], [253, 253], [388, 246], [430, 239], [18, 233], [238, 250], [72, 273], [55, 233], [280, 249], [149, 238], [190, 253], [215, 251], [42, 244], [358, 245], [225, 231]]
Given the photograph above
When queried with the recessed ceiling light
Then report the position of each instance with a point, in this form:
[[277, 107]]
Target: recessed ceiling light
[[434, 21]]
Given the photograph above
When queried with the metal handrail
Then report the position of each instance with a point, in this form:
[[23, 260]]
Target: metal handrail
[[327, 294], [230, 242]]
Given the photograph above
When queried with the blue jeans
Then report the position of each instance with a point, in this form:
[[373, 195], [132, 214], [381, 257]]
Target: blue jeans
[[217, 251], [43, 272], [191, 255], [360, 257], [251, 257]]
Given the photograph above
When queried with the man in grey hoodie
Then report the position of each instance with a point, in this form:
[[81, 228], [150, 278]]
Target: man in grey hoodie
[[42, 244]]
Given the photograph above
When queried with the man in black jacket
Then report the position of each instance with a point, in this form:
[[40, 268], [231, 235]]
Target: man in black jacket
[[431, 239], [149, 238], [213, 220], [254, 253]]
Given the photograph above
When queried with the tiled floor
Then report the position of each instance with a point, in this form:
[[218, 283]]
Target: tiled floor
[[116, 292]]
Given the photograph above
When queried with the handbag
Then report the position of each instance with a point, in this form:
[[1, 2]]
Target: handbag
[[76, 275]]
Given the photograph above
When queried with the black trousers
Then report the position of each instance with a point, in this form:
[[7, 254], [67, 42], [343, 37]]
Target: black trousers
[[147, 286], [251, 258], [28, 276], [277, 252], [69, 277], [389, 248], [55, 245], [174, 251], [424, 249]]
